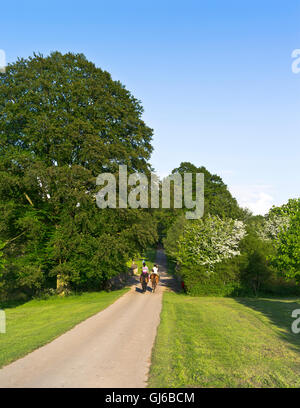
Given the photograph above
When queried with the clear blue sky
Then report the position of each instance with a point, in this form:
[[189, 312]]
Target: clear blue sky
[[214, 78]]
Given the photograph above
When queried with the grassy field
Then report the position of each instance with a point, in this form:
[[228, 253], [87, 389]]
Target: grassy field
[[223, 342], [37, 322]]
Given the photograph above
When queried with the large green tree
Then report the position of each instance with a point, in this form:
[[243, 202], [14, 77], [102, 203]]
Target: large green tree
[[63, 121], [287, 239], [217, 199]]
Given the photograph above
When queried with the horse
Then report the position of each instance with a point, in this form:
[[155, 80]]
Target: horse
[[144, 279], [154, 280]]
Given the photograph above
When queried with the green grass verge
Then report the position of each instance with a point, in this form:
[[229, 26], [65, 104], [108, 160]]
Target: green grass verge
[[225, 342], [38, 322]]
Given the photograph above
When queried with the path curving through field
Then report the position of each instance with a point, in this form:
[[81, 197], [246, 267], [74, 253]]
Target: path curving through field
[[110, 349]]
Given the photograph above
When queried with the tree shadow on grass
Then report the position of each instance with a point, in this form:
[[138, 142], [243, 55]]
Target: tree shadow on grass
[[10, 304], [279, 312]]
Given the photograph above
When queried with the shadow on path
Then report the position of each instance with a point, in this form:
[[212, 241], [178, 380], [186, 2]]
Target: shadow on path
[[137, 289], [166, 281]]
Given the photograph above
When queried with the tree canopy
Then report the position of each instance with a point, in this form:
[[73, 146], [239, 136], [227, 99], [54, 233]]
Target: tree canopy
[[63, 121], [287, 239], [217, 198]]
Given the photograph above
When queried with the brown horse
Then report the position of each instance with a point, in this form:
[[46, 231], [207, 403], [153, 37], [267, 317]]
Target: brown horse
[[144, 279], [154, 280]]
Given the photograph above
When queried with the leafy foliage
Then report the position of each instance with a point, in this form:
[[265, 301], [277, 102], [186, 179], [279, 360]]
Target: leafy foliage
[[214, 259], [256, 270], [206, 252], [273, 225], [171, 242], [217, 198], [210, 241], [62, 122], [287, 241]]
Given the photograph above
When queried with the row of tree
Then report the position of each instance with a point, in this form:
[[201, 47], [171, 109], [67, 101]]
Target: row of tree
[[226, 256]]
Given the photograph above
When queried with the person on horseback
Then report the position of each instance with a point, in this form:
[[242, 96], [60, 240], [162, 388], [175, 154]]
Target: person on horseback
[[144, 276], [155, 269], [154, 277], [145, 268]]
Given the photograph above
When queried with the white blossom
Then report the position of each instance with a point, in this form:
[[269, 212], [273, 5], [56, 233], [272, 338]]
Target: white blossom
[[209, 241]]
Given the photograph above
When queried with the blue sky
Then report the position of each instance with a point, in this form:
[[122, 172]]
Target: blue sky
[[214, 78]]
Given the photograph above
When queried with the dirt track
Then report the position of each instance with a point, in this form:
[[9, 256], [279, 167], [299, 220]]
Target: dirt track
[[110, 349]]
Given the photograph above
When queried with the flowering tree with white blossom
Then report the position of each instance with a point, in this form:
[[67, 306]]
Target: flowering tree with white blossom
[[209, 241], [273, 225]]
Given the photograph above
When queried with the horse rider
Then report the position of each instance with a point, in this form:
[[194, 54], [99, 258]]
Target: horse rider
[[155, 269], [145, 268], [144, 274]]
